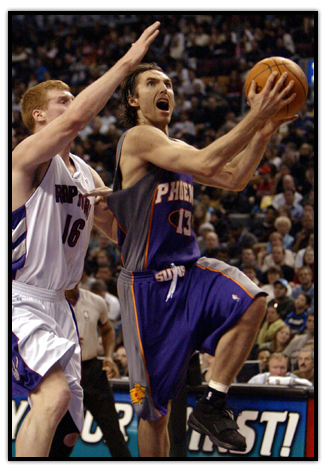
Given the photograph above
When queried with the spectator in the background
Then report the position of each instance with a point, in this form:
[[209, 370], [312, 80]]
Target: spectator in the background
[[283, 226], [288, 183], [273, 274], [306, 365], [277, 258], [280, 340], [249, 269], [263, 356], [300, 341], [277, 366], [300, 253], [307, 260], [202, 232], [284, 303], [266, 183], [276, 239], [303, 235], [248, 256], [212, 245], [296, 210], [270, 326], [298, 318], [263, 229], [221, 225], [239, 238], [306, 286], [121, 360]]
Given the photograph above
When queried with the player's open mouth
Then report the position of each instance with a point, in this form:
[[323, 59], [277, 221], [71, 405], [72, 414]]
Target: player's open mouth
[[163, 105]]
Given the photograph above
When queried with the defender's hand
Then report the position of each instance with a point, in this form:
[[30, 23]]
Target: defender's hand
[[140, 47], [99, 193]]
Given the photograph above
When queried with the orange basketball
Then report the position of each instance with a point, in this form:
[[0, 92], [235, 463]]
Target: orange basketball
[[261, 72]]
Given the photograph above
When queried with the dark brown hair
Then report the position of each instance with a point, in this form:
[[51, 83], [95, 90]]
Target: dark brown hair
[[128, 116]]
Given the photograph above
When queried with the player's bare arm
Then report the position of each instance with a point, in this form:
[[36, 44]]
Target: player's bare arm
[[153, 146], [236, 174]]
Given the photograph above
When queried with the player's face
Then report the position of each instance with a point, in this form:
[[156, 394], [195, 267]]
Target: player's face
[[154, 99], [59, 100]]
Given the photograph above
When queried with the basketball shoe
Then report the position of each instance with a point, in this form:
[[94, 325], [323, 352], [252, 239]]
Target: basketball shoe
[[217, 421]]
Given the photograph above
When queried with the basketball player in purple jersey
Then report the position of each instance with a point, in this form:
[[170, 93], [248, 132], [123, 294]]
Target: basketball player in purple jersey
[[174, 302], [51, 223]]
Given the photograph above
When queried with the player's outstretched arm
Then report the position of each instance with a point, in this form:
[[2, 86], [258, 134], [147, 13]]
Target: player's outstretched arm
[[205, 165], [58, 134], [236, 174]]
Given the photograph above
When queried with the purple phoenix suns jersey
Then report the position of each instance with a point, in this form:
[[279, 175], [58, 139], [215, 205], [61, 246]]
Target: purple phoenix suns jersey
[[154, 219]]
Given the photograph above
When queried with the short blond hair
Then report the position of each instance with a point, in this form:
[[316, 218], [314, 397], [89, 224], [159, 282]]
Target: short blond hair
[[283, 219], [37, 98]]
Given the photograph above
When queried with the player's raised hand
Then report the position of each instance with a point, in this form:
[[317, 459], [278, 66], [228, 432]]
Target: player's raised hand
[[273, 97], [140, 47]]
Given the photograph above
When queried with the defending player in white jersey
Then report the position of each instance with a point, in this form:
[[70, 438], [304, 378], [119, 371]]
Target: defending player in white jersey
[[51, 226]]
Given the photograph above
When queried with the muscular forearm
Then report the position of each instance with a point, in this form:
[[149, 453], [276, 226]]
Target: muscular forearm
[[223, 150], [246, 162], [234, 157], [236, 173]]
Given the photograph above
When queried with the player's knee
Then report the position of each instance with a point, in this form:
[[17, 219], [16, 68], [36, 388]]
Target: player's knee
[[63, 399], [59, 403], [70, 439]]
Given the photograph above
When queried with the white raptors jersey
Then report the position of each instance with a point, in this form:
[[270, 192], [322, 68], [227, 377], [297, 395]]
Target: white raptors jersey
[[50, 232]]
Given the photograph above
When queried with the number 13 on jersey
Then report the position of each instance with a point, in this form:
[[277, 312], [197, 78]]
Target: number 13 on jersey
[[184, 222]]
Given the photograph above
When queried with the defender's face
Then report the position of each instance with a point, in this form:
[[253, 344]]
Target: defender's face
[[59, 100], [154, 99]]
